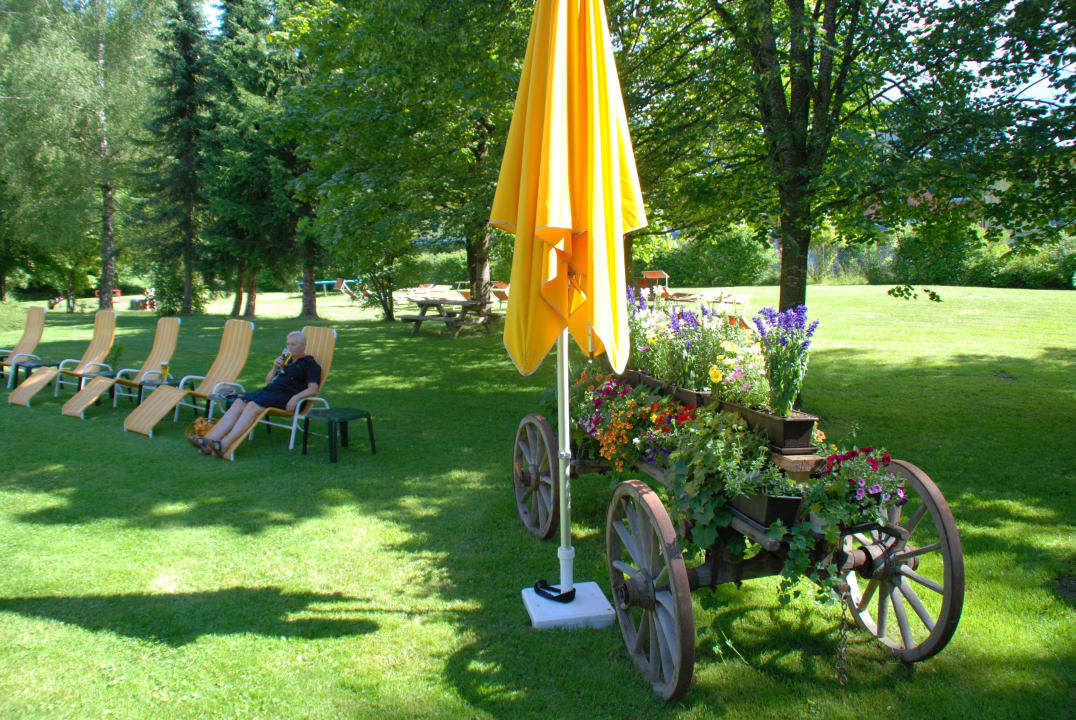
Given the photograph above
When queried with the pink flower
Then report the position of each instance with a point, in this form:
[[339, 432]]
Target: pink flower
[[900, 492], [860, 493], [874, 489], [861, 482], [873, 463]]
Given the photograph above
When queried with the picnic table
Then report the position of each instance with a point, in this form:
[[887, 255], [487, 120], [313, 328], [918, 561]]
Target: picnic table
[[453, 313]]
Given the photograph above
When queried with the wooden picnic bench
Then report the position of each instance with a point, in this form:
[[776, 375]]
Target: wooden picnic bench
[[469, 312]]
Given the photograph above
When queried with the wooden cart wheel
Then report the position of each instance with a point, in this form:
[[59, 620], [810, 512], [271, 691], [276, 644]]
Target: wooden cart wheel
[[910, 592], [650, 588], [535, 476]]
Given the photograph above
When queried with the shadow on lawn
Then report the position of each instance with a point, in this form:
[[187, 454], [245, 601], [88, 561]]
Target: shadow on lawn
[[177, 619]]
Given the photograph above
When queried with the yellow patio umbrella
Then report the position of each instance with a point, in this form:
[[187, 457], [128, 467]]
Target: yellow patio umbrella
[[568, 190]]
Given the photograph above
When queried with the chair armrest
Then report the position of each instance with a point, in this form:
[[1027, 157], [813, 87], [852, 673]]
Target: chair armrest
[[133, 372], [106, 366], [315, 403], [236, 386], [19, 357], [5, 353], [74, 362], [192, 378]]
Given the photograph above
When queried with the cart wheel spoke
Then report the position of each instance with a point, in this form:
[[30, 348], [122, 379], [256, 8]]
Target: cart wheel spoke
[[925, 582], [917, 604], [883, 609], [649, 581], [924, 552], [902, 617], [909, 554], [535, 476], [629, 543]]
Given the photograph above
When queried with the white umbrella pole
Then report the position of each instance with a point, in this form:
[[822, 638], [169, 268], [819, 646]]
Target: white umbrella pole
[[566, 553]]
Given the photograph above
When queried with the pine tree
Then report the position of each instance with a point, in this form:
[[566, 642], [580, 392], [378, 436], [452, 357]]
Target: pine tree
[[249, 168], [178, 127]]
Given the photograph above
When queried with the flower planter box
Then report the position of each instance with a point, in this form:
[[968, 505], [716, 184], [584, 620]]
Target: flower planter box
[[768, 509], [788, 435], [692, 398], [654, 384]]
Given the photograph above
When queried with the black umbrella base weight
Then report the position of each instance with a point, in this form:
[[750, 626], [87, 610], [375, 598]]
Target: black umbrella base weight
[[590, 608]]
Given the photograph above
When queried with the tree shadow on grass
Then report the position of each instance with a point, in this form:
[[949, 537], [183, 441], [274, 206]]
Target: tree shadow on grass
[[176, 619]]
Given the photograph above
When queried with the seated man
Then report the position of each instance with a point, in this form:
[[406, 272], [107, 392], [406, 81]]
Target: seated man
[[294, 376]]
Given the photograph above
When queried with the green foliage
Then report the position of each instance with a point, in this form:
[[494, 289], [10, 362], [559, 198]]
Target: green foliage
[[441, 268], [907, 292], [716, 457], [736, 256]]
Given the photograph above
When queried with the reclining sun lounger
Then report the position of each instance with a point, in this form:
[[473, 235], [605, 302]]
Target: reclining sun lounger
[[231, 357], [164, 344], [24, 349], [320, 345], [71, 371]]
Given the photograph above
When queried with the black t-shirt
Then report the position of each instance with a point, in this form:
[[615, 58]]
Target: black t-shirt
[[296, 376]]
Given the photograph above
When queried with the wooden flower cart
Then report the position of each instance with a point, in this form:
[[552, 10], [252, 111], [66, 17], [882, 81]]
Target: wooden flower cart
[[903, 582]]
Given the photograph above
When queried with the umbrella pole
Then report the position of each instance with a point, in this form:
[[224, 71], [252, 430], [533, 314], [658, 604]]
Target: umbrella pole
[[566, 553]]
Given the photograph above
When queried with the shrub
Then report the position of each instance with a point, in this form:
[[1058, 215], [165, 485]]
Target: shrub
[[737, 256], [442, 268], [935, 252]]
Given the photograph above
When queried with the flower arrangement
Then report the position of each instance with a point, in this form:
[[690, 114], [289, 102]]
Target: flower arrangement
[[626, 424], [717, 458], [855, 488], [786, 342], [697, 351]]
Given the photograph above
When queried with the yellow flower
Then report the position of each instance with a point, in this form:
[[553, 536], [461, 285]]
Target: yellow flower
[[715, 374]]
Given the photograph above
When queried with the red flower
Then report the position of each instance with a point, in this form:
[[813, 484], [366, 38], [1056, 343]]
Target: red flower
[[868, 449], [886, 458]]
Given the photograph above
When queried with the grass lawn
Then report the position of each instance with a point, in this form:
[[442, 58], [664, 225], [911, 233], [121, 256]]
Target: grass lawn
[[142, 579]]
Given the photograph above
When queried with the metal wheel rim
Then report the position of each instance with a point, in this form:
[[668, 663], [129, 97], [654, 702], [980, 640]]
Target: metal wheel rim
[[913, 611], [535, 453], [641, 543]]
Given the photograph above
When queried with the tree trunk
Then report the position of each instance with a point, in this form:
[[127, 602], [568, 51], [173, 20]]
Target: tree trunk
[[3, 286], [108, 246], [252, 295], [108, 201], [240, 278], [795, 242], [478, 263], [310, 290]]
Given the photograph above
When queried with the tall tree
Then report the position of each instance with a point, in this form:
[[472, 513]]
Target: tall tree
[[178, 125], [73, 79], [405, 103], [249, 170]]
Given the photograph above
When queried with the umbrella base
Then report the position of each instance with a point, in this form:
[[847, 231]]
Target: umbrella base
[[588, 609]]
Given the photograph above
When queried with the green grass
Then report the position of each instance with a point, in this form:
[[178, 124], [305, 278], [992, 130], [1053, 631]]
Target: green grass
[[142, 579]]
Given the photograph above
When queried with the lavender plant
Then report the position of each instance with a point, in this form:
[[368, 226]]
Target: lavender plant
[[786, 342]]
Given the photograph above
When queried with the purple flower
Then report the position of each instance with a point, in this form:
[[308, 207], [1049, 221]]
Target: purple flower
[[861, 482], [860, 493], [885, 497], [874, 489]]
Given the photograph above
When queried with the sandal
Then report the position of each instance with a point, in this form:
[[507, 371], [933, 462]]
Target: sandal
[[209, 447]]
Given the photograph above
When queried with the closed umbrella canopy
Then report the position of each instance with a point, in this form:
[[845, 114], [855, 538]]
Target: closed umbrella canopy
[[568, 189]]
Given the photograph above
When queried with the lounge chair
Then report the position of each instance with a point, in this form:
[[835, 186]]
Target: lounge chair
[[128, 381], [679, 297], [231, 357], [71, 371], [501, 294], [24, 348], [320, 345], [342, 286]]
